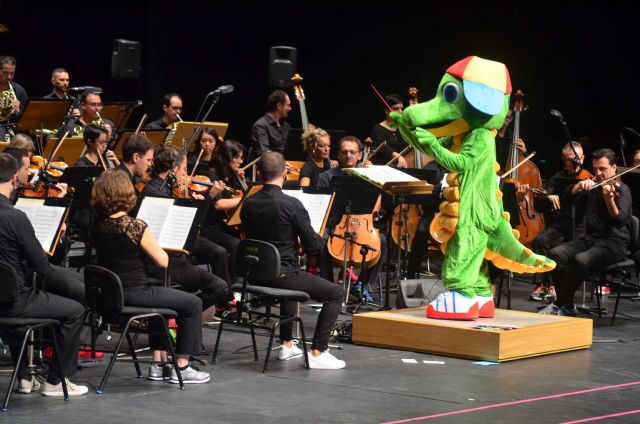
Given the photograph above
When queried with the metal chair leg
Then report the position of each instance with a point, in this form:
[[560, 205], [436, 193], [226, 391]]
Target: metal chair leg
[[114, 358], [174, 359], [134, 356]]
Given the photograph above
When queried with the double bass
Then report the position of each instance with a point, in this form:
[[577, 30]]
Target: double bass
[[531, 222], [359, 229]]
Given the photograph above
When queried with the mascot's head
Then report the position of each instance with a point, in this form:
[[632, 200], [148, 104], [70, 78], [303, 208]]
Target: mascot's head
[[474, 93]]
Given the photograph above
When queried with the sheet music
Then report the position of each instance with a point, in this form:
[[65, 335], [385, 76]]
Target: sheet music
[[382, 174], [44, 219], [176, 227], [317, 206], [153, 211]]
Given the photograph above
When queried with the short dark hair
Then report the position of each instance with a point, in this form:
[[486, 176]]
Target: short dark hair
[[83, 96], [8, 167], [605, 153], [137, 143], [350, 139], [92, 132], [7, 60], [58, 70], [17, 153], [271, 165], [165, 158], [276, 97], [393, 99], [166, 100]]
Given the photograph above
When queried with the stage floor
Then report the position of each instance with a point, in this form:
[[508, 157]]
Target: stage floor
[[378, 385]]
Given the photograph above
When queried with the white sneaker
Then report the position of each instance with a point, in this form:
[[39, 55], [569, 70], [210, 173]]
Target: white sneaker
[[56, 389], [27, 386], [325, 361], [292, 352]]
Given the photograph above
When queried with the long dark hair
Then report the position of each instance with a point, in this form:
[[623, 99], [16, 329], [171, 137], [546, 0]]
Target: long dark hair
[[224, 156], [213, 133]]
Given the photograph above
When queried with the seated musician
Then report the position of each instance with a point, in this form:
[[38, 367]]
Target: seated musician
[[559, 226], [213, 289], [316, 143], [16, 93], [96, 138], [289, 221], [137, 157], [90, 107], [207, 143], [171, 110], [383, 132], [123, 244], [19, 246], [227, 168], [349, 153], [605, 238]]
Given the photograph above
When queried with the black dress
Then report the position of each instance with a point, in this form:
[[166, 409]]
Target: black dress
[[312, 171]]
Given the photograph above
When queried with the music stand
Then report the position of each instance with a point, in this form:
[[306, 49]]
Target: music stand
[[118, 112], [44, 113], [69, 152], [352, 196], [156, 136], [185, 129], [81, 178]]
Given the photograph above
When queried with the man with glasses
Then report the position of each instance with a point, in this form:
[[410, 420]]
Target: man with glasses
[[559, 224], [171, 108]]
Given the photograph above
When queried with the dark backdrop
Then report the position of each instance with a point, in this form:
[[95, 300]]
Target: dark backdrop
[[580, 60]]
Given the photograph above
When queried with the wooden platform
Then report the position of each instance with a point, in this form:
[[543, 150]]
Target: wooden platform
[[410, 329]]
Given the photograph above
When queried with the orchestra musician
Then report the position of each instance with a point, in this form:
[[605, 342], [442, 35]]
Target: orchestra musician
[[13, 97], [137, 157], [60, 83], [288, 222], [213, 289], [559, 224], [316, 143], [605, 238], [383, 132], [207, 143], [171, 109], [20, 246], [123, 244], [504, 139], [90, 107], [270, 132], [95, 139]]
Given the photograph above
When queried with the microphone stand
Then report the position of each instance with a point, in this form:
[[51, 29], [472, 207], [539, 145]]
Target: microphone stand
[[623, 145]]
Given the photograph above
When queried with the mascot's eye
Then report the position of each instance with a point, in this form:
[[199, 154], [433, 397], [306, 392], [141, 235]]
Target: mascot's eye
[[451, 92]]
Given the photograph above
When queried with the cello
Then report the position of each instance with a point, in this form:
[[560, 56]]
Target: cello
[[358, 229], [531, 222]]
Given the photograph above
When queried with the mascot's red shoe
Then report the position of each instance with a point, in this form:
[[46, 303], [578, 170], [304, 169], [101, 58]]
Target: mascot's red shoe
[[486, 307], [453, 305]]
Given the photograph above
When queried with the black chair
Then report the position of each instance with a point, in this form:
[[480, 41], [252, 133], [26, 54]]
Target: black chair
[[105, 298], [8, 295], [259, 261], [622, 272]]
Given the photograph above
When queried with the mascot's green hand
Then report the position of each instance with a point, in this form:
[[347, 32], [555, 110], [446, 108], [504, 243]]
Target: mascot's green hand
[[425, 138], [397, 119]]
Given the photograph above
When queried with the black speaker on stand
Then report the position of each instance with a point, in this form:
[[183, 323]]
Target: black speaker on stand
[[126, 68], [283, 62]]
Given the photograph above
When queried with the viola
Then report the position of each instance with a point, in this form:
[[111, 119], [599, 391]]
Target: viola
[[143, 182], [531, 222]]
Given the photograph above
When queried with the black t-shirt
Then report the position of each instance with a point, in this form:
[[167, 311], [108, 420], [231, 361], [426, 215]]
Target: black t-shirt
[[395, 143], [312, 171]]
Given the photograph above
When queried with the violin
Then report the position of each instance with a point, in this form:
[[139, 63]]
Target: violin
[[146, 177], [524, 172], [40, 192], [55, 169]]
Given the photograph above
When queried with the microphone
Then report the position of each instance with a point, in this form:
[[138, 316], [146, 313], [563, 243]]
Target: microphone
[[223, 89], [556, 113], [96, 90], [631, 131]]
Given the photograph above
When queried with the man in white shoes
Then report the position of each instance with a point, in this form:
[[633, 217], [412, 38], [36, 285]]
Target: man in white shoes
[[281, 220], [18, 244]]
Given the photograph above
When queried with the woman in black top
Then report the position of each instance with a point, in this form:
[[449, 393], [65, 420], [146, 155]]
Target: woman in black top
[[122, 243], [96, 139], [317, 145], [207, 144], [383, 132]]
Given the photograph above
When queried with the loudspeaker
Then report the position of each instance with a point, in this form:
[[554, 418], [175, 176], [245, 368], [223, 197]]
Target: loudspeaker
[[125, 60], [414, 293], [283, 62]]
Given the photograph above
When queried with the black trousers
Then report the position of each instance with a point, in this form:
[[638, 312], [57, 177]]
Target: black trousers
[[208, 252], [420, 244], [47, 305], [319, 289], [213, 290], [576, 260], [188, 307], [549, 238], [225, 238], [65, 282]]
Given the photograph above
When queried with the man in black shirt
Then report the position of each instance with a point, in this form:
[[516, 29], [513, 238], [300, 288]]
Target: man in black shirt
[[20, 249], [137, 157], [270, 132], [171, 110], [606, 233], [60, 83], [20, 97], [281, 220]]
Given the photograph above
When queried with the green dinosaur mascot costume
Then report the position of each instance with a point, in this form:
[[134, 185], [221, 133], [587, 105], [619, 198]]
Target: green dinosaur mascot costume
[[458, 129]]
